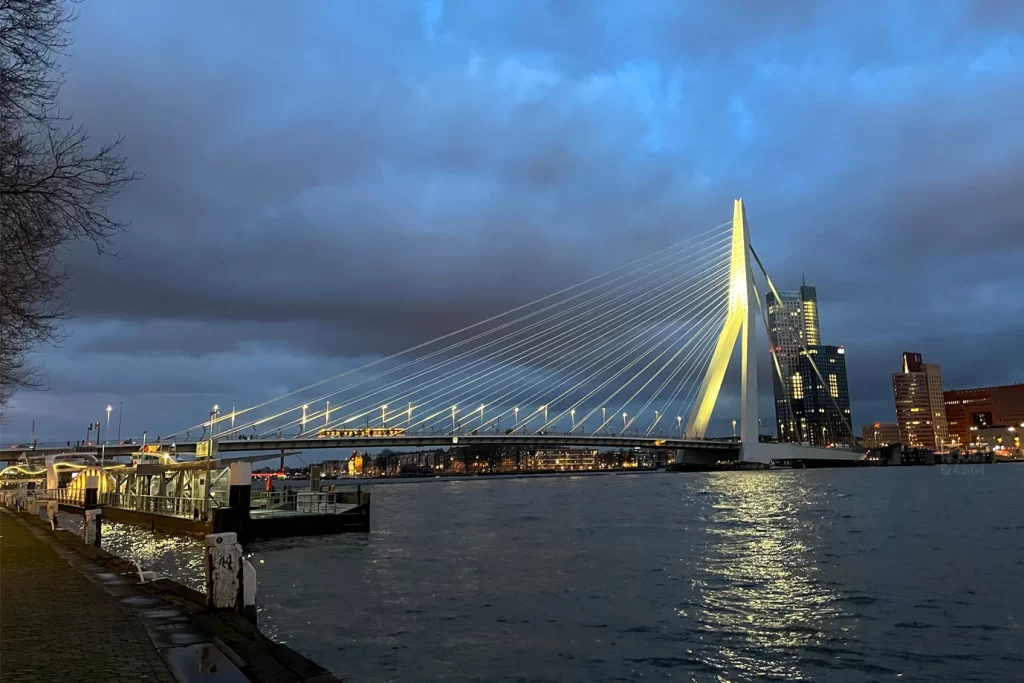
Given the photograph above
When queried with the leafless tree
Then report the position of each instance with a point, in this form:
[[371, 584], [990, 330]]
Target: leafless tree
[[55, 187]]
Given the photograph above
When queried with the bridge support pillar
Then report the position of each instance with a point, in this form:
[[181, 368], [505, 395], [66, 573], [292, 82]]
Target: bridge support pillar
[[739, 325]]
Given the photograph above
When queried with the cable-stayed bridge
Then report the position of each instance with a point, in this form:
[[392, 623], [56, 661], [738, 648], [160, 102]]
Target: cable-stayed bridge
[[633, 357]]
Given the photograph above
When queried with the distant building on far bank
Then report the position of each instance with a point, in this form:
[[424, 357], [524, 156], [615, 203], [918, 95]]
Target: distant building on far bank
[[822, 405], [792, 324], [970, 410], [880, 434], [920, 410]]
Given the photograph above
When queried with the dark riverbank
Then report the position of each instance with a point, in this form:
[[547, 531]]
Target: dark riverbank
[[71, 612]]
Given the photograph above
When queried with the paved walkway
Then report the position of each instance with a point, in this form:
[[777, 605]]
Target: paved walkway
[[57, 625]]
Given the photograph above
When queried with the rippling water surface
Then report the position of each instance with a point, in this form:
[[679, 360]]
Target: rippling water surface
[[908, 574]]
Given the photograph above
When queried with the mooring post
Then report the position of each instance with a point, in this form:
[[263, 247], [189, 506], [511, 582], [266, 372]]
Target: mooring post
[[51, 512], [93, 527], [230, 580]]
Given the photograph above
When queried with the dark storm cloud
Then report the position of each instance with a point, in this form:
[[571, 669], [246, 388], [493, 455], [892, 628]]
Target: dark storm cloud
[[328, 182]]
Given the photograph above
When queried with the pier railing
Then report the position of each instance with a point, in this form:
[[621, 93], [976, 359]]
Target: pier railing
[[66, 496], [295, 501], [160, 505]]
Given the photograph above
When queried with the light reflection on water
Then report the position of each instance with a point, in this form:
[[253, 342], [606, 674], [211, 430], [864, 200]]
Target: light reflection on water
[[179, 558], [847, 575], [761, 594], [839, 575]]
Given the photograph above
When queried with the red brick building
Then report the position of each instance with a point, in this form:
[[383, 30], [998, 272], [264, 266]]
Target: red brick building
[[985, 407]]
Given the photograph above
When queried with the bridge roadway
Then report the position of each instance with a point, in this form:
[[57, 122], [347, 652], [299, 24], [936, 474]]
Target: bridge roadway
[[729, 450]]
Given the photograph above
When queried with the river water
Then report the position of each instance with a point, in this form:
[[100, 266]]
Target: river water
[[901, 574]]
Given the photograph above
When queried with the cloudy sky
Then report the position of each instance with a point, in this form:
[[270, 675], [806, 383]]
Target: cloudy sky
[[324, 182]]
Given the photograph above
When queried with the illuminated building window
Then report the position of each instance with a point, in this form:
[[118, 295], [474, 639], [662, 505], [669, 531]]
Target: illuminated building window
[[798, 386], [833, 385]]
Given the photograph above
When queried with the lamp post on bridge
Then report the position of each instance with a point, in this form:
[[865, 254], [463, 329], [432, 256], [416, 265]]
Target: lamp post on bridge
[[545, 409], [515, 425], [304, 407], [209, 457], [327, 414], [604, 418], [655, 420], [572, 416], [679, 421], [623, 424], [734, 429], [383, 416], [106, 434], [482, 416], [454, 427]]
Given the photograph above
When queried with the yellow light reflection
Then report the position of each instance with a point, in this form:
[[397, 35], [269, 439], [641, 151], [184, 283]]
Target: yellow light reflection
[[761, 596]]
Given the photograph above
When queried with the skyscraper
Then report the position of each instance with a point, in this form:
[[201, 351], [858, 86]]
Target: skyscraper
[[920, 409], [792, 324], [822, 404]]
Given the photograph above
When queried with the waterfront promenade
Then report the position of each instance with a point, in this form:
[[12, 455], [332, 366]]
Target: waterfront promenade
[[58, 625]]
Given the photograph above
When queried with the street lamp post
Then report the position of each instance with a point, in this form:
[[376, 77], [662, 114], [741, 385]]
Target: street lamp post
[[734, 429], [304, 408], [655, 420], [327, 414], [623, 424], [383, 416], [209, 456], [481, 416], [679, 421], [409, 418], [604, 418], [572, 416], [454, 428], [515, 425], [106, 435]]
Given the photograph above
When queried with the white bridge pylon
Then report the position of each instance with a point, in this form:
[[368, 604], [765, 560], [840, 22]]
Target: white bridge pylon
[[740, 323]]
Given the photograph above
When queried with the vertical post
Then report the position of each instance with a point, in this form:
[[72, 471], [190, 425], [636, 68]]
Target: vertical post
[[240, 495], [93, 527], [224, 572], [51, 512]]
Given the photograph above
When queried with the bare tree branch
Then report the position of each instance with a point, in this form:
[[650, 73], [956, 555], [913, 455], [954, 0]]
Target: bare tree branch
[[54, 189]]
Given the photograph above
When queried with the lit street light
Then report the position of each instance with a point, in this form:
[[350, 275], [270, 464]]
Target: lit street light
[[109, 408], [209, 457], [572, 415], [623, 422], [303, 417], [545, 415], [516, 411], [604, 418], [327, 414], [734, 428], [453, 420], [383, 418], [679, 421], [481, 416]]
